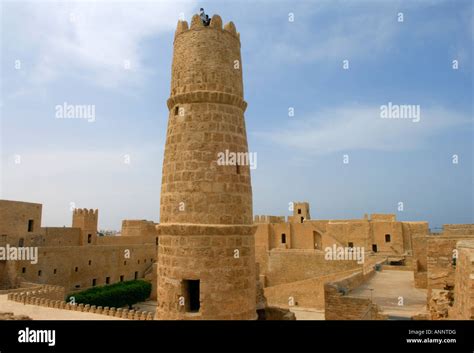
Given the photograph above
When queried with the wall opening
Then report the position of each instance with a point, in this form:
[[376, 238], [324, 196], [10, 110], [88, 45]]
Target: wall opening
[[374, 247], [191, 289], [76, 269], [176, 110], [299, 210], [30, 225], [55, 271], [283, 238], [89, 238], [21, 242], [237, 168], [39, 273], [350, 244], [107, 280], [317, 241], [94, 282], [387, 238], [302, 219], [121, 278], [136, 274], [23, 270], [90, 262]]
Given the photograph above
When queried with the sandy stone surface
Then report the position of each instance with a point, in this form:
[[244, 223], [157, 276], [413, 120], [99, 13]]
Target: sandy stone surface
[[43, 313], [387, 287], [308, 314]]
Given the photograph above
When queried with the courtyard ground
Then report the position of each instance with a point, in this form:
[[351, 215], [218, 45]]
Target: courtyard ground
[[390, 288]]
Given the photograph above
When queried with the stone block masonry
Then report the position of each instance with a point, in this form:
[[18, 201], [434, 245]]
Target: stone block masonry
[[206, 254]]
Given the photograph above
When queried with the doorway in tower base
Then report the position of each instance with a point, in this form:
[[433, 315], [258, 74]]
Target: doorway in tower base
[[191, 292]]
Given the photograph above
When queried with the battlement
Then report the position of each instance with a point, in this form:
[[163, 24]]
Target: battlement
[[385, 217], [86, 212], [269, 219], [216, 24]]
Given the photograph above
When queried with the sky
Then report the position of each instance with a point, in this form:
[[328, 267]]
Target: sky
[[316, 74]]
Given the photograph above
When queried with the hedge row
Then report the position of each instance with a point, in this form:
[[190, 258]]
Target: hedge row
[[114, 295]]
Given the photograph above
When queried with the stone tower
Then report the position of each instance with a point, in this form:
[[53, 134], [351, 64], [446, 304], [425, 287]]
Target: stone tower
[[206, 254], [300, 212], [87, 220]]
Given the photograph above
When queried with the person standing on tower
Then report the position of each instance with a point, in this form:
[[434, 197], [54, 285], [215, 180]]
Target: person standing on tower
[[205, 18]]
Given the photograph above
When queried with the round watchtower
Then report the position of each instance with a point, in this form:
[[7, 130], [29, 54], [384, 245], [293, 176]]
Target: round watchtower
[[206, 256]]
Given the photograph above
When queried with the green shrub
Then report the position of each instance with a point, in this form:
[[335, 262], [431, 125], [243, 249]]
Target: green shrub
[[114, 295]]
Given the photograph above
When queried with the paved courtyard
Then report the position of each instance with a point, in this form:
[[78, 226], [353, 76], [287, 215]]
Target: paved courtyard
[[387, 287]]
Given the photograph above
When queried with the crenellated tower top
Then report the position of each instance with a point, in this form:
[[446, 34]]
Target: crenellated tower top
[[86, 212], [216, 23], [207, 64]]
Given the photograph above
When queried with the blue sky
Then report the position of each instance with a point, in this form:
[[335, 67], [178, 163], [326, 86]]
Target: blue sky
[[75, 52]]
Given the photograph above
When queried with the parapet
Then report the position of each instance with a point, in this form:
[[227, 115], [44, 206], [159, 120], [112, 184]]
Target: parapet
[[133, 227], [86, 212], [458, 229], [269, 219], [387, 217], [216, 24]]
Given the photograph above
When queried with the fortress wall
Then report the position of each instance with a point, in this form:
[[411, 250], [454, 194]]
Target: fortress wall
[[394, 229], [339, 305], [458, 229], [303, 236], [134, 228], [276, 231], [285, 266], [59, 236], [19, 219], [50, 236], [132, 240], [308, 293], [262, 243], [412, 229], [357, 232], [53, 297], [262, 235], [464, 282], [268, 219], [440, 261], [386, 217], [105, 261], [420, 265]]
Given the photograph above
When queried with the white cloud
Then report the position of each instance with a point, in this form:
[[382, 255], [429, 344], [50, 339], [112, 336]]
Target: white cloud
[[348, 37], [337, 30], [360, 127], [88, 39]]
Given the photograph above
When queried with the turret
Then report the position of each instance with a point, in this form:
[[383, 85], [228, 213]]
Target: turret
[[87, 220]]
